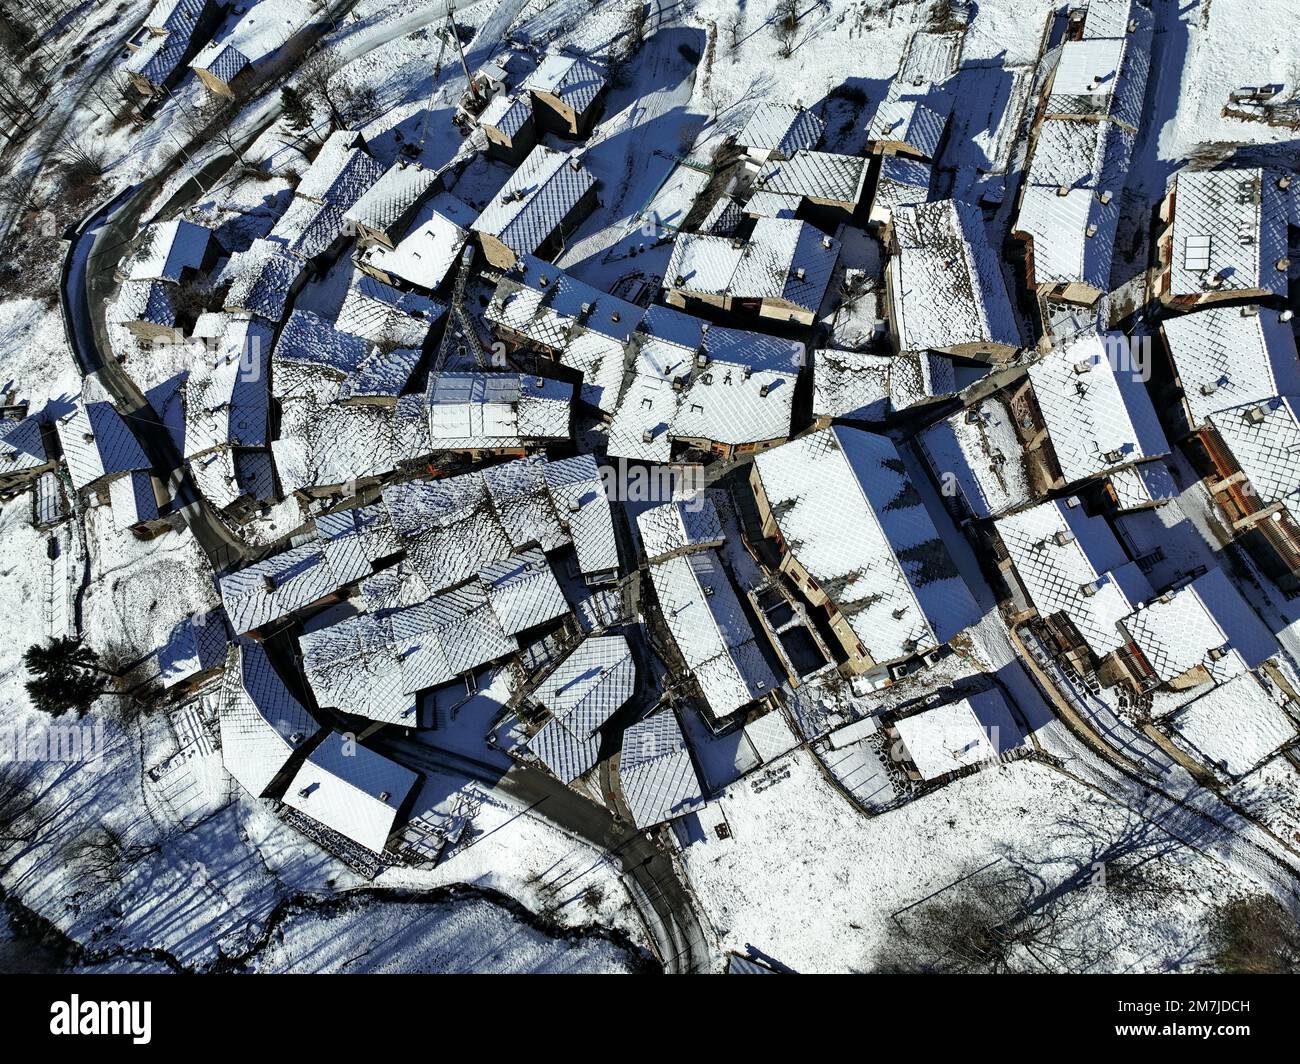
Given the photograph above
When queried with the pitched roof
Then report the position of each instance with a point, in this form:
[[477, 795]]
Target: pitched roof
[[534, 201], [508, 113], [170, 248], [655, 771], [912, 115], [1264, 438], [1071, 563], [1229, 232], [497, 410], [262, 724], [686, 524], [342, 172], [196, 644], [711, 631], [1097, 411], [386, 202], [431, 246], [817, 175], [948, 286], [351, 789], [1236, 725], [574, 79], [1231, 356], [22, 443], [97, 443], [979, 448], [261, 279], [959, 734], [781, 127], [848, 511], [227, 392]]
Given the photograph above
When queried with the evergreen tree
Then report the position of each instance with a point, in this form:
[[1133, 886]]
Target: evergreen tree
[[296, 109], [65, 675]]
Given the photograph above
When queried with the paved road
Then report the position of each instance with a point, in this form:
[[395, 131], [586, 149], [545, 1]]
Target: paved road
[[658, 894]]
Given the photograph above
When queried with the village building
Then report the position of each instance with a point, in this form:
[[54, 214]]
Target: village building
[[1236, 727], [911, 120], [1225, 357], [1253, 452], [24, 452], [944, 285], [708, 626], [778, 130], [656, 772], [424, 255], [141, 504], [1224, 237], [566, 92], [852, 533], [264, 729], [1203, 632], [508, 124], [947, 739], [351, 790], [262, 281], [195, 652], [678, 527], [173, 31], [823, 185], [541, 203], [262, 40], [1100, 77], [1074, 573], [387, 207], [781, 272], [577, 697], [497, 413], [901, 182], [978, 454], [342, 172], [98, 448], [866, 388]]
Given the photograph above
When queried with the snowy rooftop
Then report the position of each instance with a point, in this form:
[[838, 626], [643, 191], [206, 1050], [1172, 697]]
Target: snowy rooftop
[[849, 513], [959, 734], [980, 449], [387, 201], [1229, 232], [1237, 725], [1264, 438], [227, 393], [711, 631], [1231, 356], [265, 27], [782, 128], [583, 692], [535, 200], [655, 770], [341, 173], [948, 289], [380, 313], [262, 724], [168, 249], [507, 113], [1206, 622], [351, 790], [817, 175], [197, 644], [497, 410], [261, 279], [97, 443], [912, 115], [573, 79], [1100, 77], [1071, 563], [431, 246], [684, 525], [1096, 409], [851, 384], [22, 444]]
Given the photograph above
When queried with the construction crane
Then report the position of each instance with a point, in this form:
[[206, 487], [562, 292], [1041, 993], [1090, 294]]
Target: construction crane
[[460, 338]]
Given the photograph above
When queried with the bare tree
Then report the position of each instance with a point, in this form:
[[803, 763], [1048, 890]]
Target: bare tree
[[786, 27], [1255, 935], [735, 27], [320, 86]]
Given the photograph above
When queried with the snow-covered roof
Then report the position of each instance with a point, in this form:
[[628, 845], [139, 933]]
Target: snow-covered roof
[[655, 771], [915, 115], [980, 450], [1264, 438], [851, 384], [484, 411], [1139, 486], [816, 175], [1229, 232], [265, 28], [169, 249], [346, 545], [1100, 77], [1237, 725], [225, 476], [351, 789], [1231, 356], [783, 259], [849, 513], [227, 392], [573, 79], [133, 499], [146, 301], [522, 591], [1071, 563], [1096, 409], [682, 525], [262, 724], [261, 279], [948, 289], [1073, 235], [386, 202], [550, 307], [432, 244], [959, 734], [308, 228], [194, 646], [781, 127], [508, 113], [380, 313], [578, 493], [1116, 18], [342, 172], [711, 631], [1206, 622], [535, 200], [902, 181], [97, 443], [583, 692], [22, 444]]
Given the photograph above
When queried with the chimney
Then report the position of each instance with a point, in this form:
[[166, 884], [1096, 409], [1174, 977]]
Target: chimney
[[268, 583], [800, 273], [1063, 537], [1284, 182], [762, 392], [1105, 196], [1286, 315], [1062, 190], [826, 241], [648, 436], [1284, 264]]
